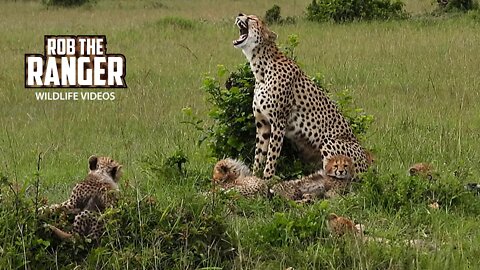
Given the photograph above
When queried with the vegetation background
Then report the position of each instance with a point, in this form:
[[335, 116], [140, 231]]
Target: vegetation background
[[419, 77]]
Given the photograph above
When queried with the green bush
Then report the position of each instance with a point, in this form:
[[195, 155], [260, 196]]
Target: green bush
[[272, 16], [185, 234], [232, 133], [350, 10], [140, 232], [166, 167], [67, 3], [295, 227], [457, 5], [24, 242], [406, 193]]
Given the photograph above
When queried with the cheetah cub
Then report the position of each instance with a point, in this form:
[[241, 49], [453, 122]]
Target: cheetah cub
[[339, 226], [424, 170], [327, 183], [340, 167], [89, 198], [231, 174]]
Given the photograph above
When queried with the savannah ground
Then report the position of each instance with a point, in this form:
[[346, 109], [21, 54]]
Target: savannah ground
[[418, 77]]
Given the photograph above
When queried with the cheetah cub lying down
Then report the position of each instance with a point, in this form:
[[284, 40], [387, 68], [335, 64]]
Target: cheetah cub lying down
[[423, 169], [231, 174], [90, 197], [327, 183]]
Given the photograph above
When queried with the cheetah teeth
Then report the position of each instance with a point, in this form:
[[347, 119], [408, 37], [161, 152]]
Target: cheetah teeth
[[240, 40]]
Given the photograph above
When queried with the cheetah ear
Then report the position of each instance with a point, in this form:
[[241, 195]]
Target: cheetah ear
[[332, 216], [93, 162], [413, 171], [116, 172]]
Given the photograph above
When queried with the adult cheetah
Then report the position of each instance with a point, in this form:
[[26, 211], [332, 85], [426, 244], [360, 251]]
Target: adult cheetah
[[91, 197], [287, 103]]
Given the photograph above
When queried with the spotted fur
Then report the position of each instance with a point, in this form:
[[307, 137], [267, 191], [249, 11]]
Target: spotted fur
[[327, 183], [230, 169], [306, 188], [339, 167], [288, 104], [370, 157], [339, 226], [422, 169], [91, 197], [231, 174]]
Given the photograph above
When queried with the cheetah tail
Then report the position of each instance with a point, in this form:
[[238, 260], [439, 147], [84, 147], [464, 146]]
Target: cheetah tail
[[59, 233]]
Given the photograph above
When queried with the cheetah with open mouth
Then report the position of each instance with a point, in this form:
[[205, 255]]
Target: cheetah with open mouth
[[288, 104]]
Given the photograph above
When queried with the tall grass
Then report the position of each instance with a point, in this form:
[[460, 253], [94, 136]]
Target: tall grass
[[418, 77]]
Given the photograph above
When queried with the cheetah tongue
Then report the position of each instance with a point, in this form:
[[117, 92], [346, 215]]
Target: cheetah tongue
[[240, 40]]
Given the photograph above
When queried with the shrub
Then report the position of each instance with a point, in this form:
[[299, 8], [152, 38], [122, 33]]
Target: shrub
[[272, 16], [406, 193], [67, 3], [350, 10], [232, 133], [169, 168], [140, 233], [357, 118], [456, 5], [294, 227], [185, 234]]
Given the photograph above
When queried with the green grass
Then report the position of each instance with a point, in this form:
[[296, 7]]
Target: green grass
[[418, 77]]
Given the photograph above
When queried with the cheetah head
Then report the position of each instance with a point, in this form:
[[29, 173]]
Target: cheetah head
[[253, 33], [422, 169], [340, 167], [228, 170], [106, 167]]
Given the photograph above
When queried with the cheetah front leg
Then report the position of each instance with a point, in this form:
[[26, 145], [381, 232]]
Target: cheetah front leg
[[271, 108], [262, 140], [278, 129]]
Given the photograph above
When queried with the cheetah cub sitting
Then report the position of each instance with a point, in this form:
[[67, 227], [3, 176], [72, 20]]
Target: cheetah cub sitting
[[327, 183], [231, 174], [91, 197]]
